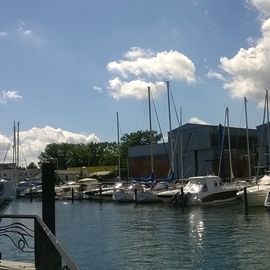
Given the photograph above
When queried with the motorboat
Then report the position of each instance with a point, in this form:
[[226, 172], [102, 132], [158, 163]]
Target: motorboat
[[146, 194], [256, 194], [200, 190], [100, 193], [7, 191], [68, 191], [34, 191], [267, 201], [124, 193]]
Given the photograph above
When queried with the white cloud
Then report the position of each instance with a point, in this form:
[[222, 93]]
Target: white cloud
[[136, 88], [263, 6], [248, 71], [195, 120], [215, 75], [97, 89], [34, 141], [140, 66], [6, 95], [3, 34], [28, 34]]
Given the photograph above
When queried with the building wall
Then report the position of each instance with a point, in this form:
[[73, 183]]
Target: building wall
[[201, 150], [140, 161], [20, 174], [200, 146]]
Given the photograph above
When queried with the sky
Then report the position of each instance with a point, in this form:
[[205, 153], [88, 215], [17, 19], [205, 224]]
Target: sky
[[67, 67]]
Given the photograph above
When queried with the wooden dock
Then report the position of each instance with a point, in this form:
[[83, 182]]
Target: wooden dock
[[10, 265]]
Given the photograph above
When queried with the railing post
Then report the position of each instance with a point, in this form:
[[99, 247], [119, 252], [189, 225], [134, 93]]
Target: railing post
[[46, 255], [48, 194]]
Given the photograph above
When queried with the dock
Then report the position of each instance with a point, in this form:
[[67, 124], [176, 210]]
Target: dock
[[11, 265]]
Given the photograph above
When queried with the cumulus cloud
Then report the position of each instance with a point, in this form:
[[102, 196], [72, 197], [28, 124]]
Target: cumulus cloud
[[135, 88], [213, 74], [97, 89], [27, 34], [3, 34], [195, 120], [248, 71], [141, 68], [34, 141], [7, 95], [263, 6]]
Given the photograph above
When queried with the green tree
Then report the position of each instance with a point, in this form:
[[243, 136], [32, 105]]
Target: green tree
[[136, 138], [32, 165]]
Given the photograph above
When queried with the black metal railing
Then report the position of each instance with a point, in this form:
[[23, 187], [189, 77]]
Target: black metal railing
[[48, 252]]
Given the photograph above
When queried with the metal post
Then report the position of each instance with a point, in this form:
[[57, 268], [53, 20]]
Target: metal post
[[100, 194], [245, 201], [72, 195], [48, 200]]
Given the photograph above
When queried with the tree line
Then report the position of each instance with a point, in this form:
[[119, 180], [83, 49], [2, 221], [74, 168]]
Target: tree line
[[67, 155]]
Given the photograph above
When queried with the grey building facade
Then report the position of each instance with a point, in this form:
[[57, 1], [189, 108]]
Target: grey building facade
[[194, 149]]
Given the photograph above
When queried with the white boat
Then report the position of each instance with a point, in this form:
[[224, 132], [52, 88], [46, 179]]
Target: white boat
[[146, 195], [68, 191], [7, 191], [124, 193], [102, 193], [257, 193], [201, 190], [149, 194], [267, 201]]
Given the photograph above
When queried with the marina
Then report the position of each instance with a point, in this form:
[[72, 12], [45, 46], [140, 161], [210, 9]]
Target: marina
[[157, 236]]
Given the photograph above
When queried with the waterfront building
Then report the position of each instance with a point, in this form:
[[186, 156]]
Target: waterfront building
[[139, 160], [196, 150], [202, 146], [8, 171], [263, 134]]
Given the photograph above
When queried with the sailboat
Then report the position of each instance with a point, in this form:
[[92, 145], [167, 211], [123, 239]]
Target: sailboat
[[256, 194], [204, 189]]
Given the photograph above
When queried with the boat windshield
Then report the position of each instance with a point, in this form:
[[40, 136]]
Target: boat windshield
[[193, 187]]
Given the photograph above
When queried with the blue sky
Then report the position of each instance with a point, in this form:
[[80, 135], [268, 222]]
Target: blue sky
[[68, 66]]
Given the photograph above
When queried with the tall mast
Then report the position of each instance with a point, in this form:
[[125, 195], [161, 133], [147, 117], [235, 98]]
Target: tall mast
[[18, 143], [14, 146], [229, 144], [268, 129], [170, 126], [118, 147], [151, 135], [248, 153], [181, 146]]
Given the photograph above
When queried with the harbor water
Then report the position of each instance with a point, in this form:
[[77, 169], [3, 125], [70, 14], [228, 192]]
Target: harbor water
[[155, 236]]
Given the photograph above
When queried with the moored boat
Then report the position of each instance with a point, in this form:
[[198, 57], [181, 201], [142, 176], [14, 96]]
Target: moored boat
[[201, 190], [7, 191], [257, 193]]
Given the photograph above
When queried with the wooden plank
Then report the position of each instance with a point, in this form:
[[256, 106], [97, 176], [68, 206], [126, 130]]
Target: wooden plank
[[10, 265]]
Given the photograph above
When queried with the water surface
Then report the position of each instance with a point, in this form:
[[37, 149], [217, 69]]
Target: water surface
[[157, 236]]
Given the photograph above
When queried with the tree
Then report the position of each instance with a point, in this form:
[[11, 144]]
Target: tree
[[136, 138], [32, 165]]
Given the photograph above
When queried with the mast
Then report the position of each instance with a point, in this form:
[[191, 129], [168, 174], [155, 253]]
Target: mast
[[14, 159], [268, 129], [229, 144], [248, 152], [170, 127], [118, 147], [181, 146], [151, 133], [18, 144]]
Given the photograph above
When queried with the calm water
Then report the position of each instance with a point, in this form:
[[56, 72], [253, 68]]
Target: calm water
[[157, 236]]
